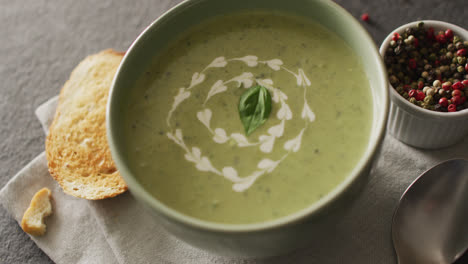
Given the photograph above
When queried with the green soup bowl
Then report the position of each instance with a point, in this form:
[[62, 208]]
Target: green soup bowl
[[276, 236]]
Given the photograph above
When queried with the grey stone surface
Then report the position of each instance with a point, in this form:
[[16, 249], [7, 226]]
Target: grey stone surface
[[43, 40]]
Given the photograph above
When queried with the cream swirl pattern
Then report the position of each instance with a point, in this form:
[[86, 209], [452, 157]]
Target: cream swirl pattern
[[219, 135]]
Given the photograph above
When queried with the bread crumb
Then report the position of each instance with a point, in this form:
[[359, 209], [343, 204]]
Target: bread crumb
[[39, 208]]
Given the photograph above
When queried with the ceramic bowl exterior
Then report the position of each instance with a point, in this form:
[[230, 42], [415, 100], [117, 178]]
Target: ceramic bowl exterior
[[419, 127], [279, 235]]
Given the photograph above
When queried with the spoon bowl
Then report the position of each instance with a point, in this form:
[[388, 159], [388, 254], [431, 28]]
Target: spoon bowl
[[430, 222]]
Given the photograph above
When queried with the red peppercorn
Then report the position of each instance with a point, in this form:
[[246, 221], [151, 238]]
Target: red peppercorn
[[420, 85], [446, 87], [456, 93], [461, 52], [396, 36], [412, 93], [456, 100], [365, 17], [452, 108], [407, 87], [430, 33], [457, 86], [466, 67], [449, 34], [420, 95], [416, 42], [443, 102], [412, 63], [465, 83], [441, 39]]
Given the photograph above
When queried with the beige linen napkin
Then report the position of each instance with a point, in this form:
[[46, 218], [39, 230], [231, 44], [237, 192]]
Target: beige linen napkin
[[119, 230]]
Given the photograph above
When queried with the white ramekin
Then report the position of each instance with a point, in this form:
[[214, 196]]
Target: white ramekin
[[417, 126]]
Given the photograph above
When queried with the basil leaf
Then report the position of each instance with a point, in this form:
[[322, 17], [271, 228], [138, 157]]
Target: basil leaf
[[254, 107]]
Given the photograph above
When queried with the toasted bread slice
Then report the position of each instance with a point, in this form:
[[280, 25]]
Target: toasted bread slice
[[77, 152], [33, 218]]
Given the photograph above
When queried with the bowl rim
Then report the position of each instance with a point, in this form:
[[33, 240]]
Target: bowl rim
[[397, 98], [166, 212]]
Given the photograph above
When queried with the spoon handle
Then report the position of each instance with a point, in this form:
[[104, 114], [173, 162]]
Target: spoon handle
[[462, 259]]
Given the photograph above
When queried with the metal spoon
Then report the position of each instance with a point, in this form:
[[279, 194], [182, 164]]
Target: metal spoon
[[430, 225]]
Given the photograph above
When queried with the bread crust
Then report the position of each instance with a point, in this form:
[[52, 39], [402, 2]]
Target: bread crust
[[77, 151]]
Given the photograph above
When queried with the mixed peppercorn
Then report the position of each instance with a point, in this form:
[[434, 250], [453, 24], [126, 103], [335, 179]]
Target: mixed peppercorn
[[428, 68]]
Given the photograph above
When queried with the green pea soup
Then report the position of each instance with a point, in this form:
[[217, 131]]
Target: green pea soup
[[185, 141]]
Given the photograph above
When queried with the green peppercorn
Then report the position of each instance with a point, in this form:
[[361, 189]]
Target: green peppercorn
[[459, 45], [456, 39], [400, 89], [461, 60], [460, 69], [428, 99], [397, 50], [451, 47], [449, 55], [453, 67], [431, 92], [413, 100], [432, 57], [392, 43], [405, 95], [393, 80], [425, 74]]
